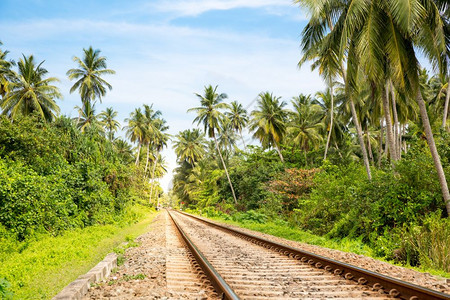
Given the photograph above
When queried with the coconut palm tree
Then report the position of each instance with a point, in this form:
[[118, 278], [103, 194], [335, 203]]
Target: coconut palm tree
[[269, 121], [111, 124], [151, 119], [190, 146], [159, 141], [227, 137], [210, 116], [316, 45], [136, 130], [305, 125], [88, 76], [124, 150], [381, 38], [6, 74], [88, 119], [238, 118], [29, 92]]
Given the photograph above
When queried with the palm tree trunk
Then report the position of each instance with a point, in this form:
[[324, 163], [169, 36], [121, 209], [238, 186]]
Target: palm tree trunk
[[331, 121], [225, 168], [447, 98], [242, 138], [338, 151], [389, 132], [358, 128], [138, 152], [396, 123], [148, 155], [361, 139], [380, 146], [369, 146], [433, 150], [279, 153], [153, 176]]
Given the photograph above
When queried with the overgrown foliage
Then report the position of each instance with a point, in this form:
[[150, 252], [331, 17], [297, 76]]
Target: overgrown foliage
[[53, 177]]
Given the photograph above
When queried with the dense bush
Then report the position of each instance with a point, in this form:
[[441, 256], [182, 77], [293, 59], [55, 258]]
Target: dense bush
[[53, 177]]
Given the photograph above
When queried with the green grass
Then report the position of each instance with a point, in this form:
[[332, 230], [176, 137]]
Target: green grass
[[47, 265]]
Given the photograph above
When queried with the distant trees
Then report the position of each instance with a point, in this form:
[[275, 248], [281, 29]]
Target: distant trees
[[111, 125], [29, 94], [269, 121], [210, 115], [190, 146]]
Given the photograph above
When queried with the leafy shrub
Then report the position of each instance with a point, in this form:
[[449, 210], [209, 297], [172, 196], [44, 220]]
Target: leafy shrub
[[5, 292], [429, 243], [250, 216], [54, 178]]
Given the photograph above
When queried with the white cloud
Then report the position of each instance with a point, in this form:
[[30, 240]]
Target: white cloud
[[197, 7]]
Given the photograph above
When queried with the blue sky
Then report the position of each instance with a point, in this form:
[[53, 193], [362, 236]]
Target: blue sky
[[164, 51]]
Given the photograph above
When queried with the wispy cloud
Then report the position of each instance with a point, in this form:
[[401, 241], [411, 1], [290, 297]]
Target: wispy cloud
[[197, 7]]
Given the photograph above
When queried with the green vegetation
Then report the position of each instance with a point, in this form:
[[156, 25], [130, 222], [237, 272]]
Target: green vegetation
[[367, 159], [40, 268], [70, 191]]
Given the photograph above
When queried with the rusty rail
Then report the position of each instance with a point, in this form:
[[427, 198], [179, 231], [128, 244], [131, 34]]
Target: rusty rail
[[220, 285], [393, 287]]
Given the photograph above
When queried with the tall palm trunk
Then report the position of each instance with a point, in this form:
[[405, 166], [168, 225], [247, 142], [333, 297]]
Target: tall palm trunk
[[148, 155], [433, 150], [242, 138], [360, 138], [225, 168], [153, 176], [397, 132], [447, 98], [138, 153], [358, 128], [369, 145], [380, 146], [331, 121], [279, 152], [389, 132]]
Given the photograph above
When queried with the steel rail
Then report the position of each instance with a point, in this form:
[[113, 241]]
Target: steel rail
[[220, 285], [392, 286]]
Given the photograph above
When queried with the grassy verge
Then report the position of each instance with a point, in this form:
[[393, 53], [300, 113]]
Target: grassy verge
[[346, 245], [47, 265]]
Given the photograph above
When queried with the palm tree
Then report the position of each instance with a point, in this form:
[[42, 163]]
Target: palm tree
[[111, 124], [238, 118], [269, 121], [318, 46], [305, 125], [6, 74], [151, 119], [29, 92], [136, 129], [88, 119], [386, 51], [159, 141], [88, 76], [190, 146], [210, 115], [227, 136], [124, 150]]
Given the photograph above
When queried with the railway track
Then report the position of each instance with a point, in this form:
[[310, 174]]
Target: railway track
[[242, 266]]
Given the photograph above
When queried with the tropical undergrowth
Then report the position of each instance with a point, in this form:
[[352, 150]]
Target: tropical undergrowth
[[57, 180], [399, 215]]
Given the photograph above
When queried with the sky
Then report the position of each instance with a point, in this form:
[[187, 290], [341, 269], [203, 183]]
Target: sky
[[165, 51]]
